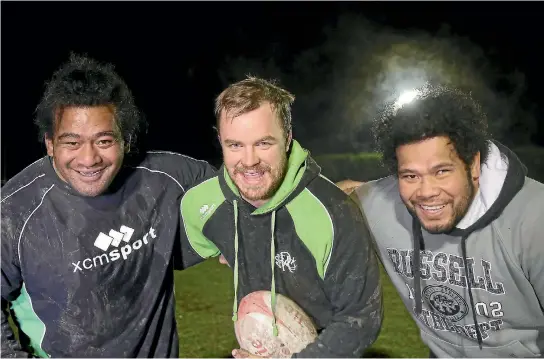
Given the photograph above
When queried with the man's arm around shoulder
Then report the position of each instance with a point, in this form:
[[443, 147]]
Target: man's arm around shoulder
[[186, 170]]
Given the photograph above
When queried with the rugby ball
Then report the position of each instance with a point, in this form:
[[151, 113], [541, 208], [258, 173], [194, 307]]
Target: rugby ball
[[254, 330]]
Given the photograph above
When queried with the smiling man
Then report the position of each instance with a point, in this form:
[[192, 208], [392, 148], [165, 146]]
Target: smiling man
[[88, 169], [90, 233], [282, 226], [440, 201], [459, 228]]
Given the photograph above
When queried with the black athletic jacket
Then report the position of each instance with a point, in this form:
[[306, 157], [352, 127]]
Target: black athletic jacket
[[309, 242], [93, 277]]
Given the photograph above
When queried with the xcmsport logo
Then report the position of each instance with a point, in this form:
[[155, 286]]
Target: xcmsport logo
[[114, 239]]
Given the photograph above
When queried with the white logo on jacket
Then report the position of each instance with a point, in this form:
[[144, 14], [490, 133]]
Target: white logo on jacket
[[114, 239], [103, 241], [205, 210], [285, 261]]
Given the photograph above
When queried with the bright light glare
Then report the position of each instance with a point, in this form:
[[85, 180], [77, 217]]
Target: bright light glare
[[406, 97]]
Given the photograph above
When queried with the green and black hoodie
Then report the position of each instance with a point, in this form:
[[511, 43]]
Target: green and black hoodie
[[314, 238]]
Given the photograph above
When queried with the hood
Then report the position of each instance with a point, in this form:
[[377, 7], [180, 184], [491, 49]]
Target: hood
[[502, 177], [492, 177], [498, 197], [301, 170]]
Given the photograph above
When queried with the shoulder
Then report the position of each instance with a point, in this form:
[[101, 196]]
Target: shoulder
[[166, 158], [524, 215], [521, 224], [29, 183], [385, 188], [168, 161], [337, 205], [383, 191], [204, 197], [378, 199], [22, 195], [326, 191], [181, 169]]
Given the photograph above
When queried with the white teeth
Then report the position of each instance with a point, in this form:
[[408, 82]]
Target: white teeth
[[433, 208], [89, 174]]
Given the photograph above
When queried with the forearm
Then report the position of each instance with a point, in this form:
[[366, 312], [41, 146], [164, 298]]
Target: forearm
[[341, 340], [348, 335]]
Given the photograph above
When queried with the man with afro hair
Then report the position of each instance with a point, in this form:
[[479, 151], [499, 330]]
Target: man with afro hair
[[458, 227]]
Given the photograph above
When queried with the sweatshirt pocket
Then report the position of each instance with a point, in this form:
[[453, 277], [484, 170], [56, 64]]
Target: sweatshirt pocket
[[442, 348]]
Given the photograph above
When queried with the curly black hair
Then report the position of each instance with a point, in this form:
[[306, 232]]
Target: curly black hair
[[436, 111], [83, 82]]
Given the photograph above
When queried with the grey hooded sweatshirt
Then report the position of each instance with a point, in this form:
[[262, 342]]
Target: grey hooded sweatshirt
[[477, 291]]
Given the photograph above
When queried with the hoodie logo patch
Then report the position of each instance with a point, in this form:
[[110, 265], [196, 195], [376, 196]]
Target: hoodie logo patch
[[446, 301], [285, 262], [205, 210]]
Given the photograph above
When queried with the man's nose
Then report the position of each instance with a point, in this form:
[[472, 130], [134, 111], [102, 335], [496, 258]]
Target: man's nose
[[88, 156], [250, 157], [428, 188]]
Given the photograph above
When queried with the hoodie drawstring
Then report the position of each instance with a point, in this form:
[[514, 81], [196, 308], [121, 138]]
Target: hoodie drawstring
[[418, 239], [272, 262], [235, 304], [476, 326], [273, 285], [418, 244]]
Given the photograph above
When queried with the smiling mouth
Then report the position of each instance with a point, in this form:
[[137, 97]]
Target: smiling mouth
[[253, 176], [91, 174], [431, 209]]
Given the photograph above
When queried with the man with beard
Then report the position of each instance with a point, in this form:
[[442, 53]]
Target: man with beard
[[282, 226], [458, 227], [90, 232]]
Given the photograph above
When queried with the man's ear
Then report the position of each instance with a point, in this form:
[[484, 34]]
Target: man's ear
[[126, 144], [475, 168], [289, 140], [217, 134], [48, 145]]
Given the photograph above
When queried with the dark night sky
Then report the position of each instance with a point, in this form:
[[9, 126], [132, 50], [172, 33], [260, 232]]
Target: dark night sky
[[168, 53]]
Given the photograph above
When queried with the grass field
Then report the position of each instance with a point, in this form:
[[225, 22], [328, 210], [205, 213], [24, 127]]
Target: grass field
[[204, 296]]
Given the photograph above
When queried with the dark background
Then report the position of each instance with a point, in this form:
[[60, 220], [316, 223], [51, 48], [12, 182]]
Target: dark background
[[169, 54]]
